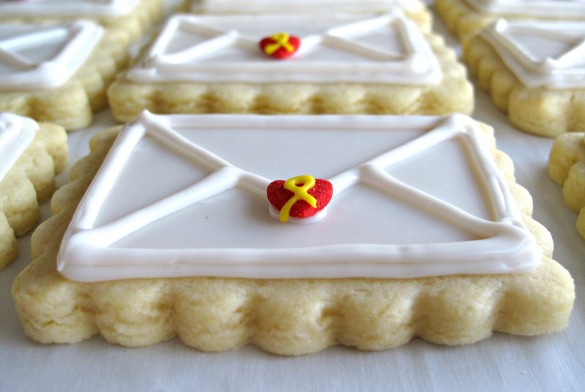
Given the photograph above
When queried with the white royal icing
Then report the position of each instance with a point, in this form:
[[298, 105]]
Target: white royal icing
[[541, 54], [532, 8], [301, 6], [334, 48], [33, 56], [16, 134], [66, 8], [185, 195]]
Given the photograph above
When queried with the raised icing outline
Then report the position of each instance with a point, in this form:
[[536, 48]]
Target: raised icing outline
[[302, 6], [54, 72], [565, 71], [536, 8], [417, 66], [16, 134], [60, 8], [504, 244]]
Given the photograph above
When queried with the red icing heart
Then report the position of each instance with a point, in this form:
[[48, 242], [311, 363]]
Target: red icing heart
[[322, 191], [280, 46]]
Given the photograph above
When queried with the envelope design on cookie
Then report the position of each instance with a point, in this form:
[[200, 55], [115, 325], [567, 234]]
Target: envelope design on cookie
[[541, 54], [185, 195], [334, 48], [38, 56]]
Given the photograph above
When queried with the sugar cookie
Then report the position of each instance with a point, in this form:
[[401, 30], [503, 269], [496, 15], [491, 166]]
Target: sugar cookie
[[534, 72], [449, 254]]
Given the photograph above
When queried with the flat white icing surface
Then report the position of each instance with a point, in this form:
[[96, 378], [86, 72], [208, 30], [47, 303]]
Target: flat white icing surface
[[37, 56], [334, 48], [66, 8], [301, 6], [16, 134], [571, 9], [541, 54], [413, 196]]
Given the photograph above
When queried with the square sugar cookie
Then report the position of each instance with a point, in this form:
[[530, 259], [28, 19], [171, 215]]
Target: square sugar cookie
[[413, 9], [426, 235], [57, 73], [344, 64], [534, 71], [566, 167], [31, 155], [128, 20], [464, 17]]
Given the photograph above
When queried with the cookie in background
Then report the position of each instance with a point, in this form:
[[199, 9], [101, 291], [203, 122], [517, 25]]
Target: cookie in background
[[567, 168], [334, 64], [465, 17], [534, 72], [31, 155]]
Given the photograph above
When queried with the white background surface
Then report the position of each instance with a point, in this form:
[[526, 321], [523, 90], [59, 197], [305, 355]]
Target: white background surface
[[500, 363]]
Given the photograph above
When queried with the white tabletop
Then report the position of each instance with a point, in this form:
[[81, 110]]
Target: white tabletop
[[500, 363]]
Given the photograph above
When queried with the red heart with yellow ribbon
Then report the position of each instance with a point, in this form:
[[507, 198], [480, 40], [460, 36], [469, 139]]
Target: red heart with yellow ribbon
[[299, 197], [280, 45]]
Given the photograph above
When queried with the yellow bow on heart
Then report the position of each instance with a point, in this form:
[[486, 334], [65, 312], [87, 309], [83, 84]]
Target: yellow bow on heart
[[281, 41], [300, 186]]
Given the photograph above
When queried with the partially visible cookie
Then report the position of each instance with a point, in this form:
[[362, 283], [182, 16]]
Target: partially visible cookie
[[340, 64], [32, 154], [167, 230], [534, 72], [464, 17], [58, 73], [567, 168], [413, 9], [128, 20]]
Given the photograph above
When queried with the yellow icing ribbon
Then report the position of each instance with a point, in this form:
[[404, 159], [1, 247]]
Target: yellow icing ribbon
[[300, 186], [282, 41]]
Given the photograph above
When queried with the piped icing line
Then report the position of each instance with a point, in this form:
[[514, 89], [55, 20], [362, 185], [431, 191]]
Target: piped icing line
[[34, 38], [531, 8], [502, 245], [223, 176], [80, 38], [413, 64], [561, 72], [300, 6], [373, 174], [16, 134], [77, 9]]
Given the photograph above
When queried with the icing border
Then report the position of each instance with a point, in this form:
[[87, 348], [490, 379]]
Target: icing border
[[24, 9], [83, 38], [506, 245], [536, 8], [419, 65], [564, 72], [300, 6]]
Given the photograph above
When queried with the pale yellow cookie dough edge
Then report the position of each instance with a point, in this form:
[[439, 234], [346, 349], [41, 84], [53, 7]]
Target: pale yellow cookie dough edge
[[566, 167]]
